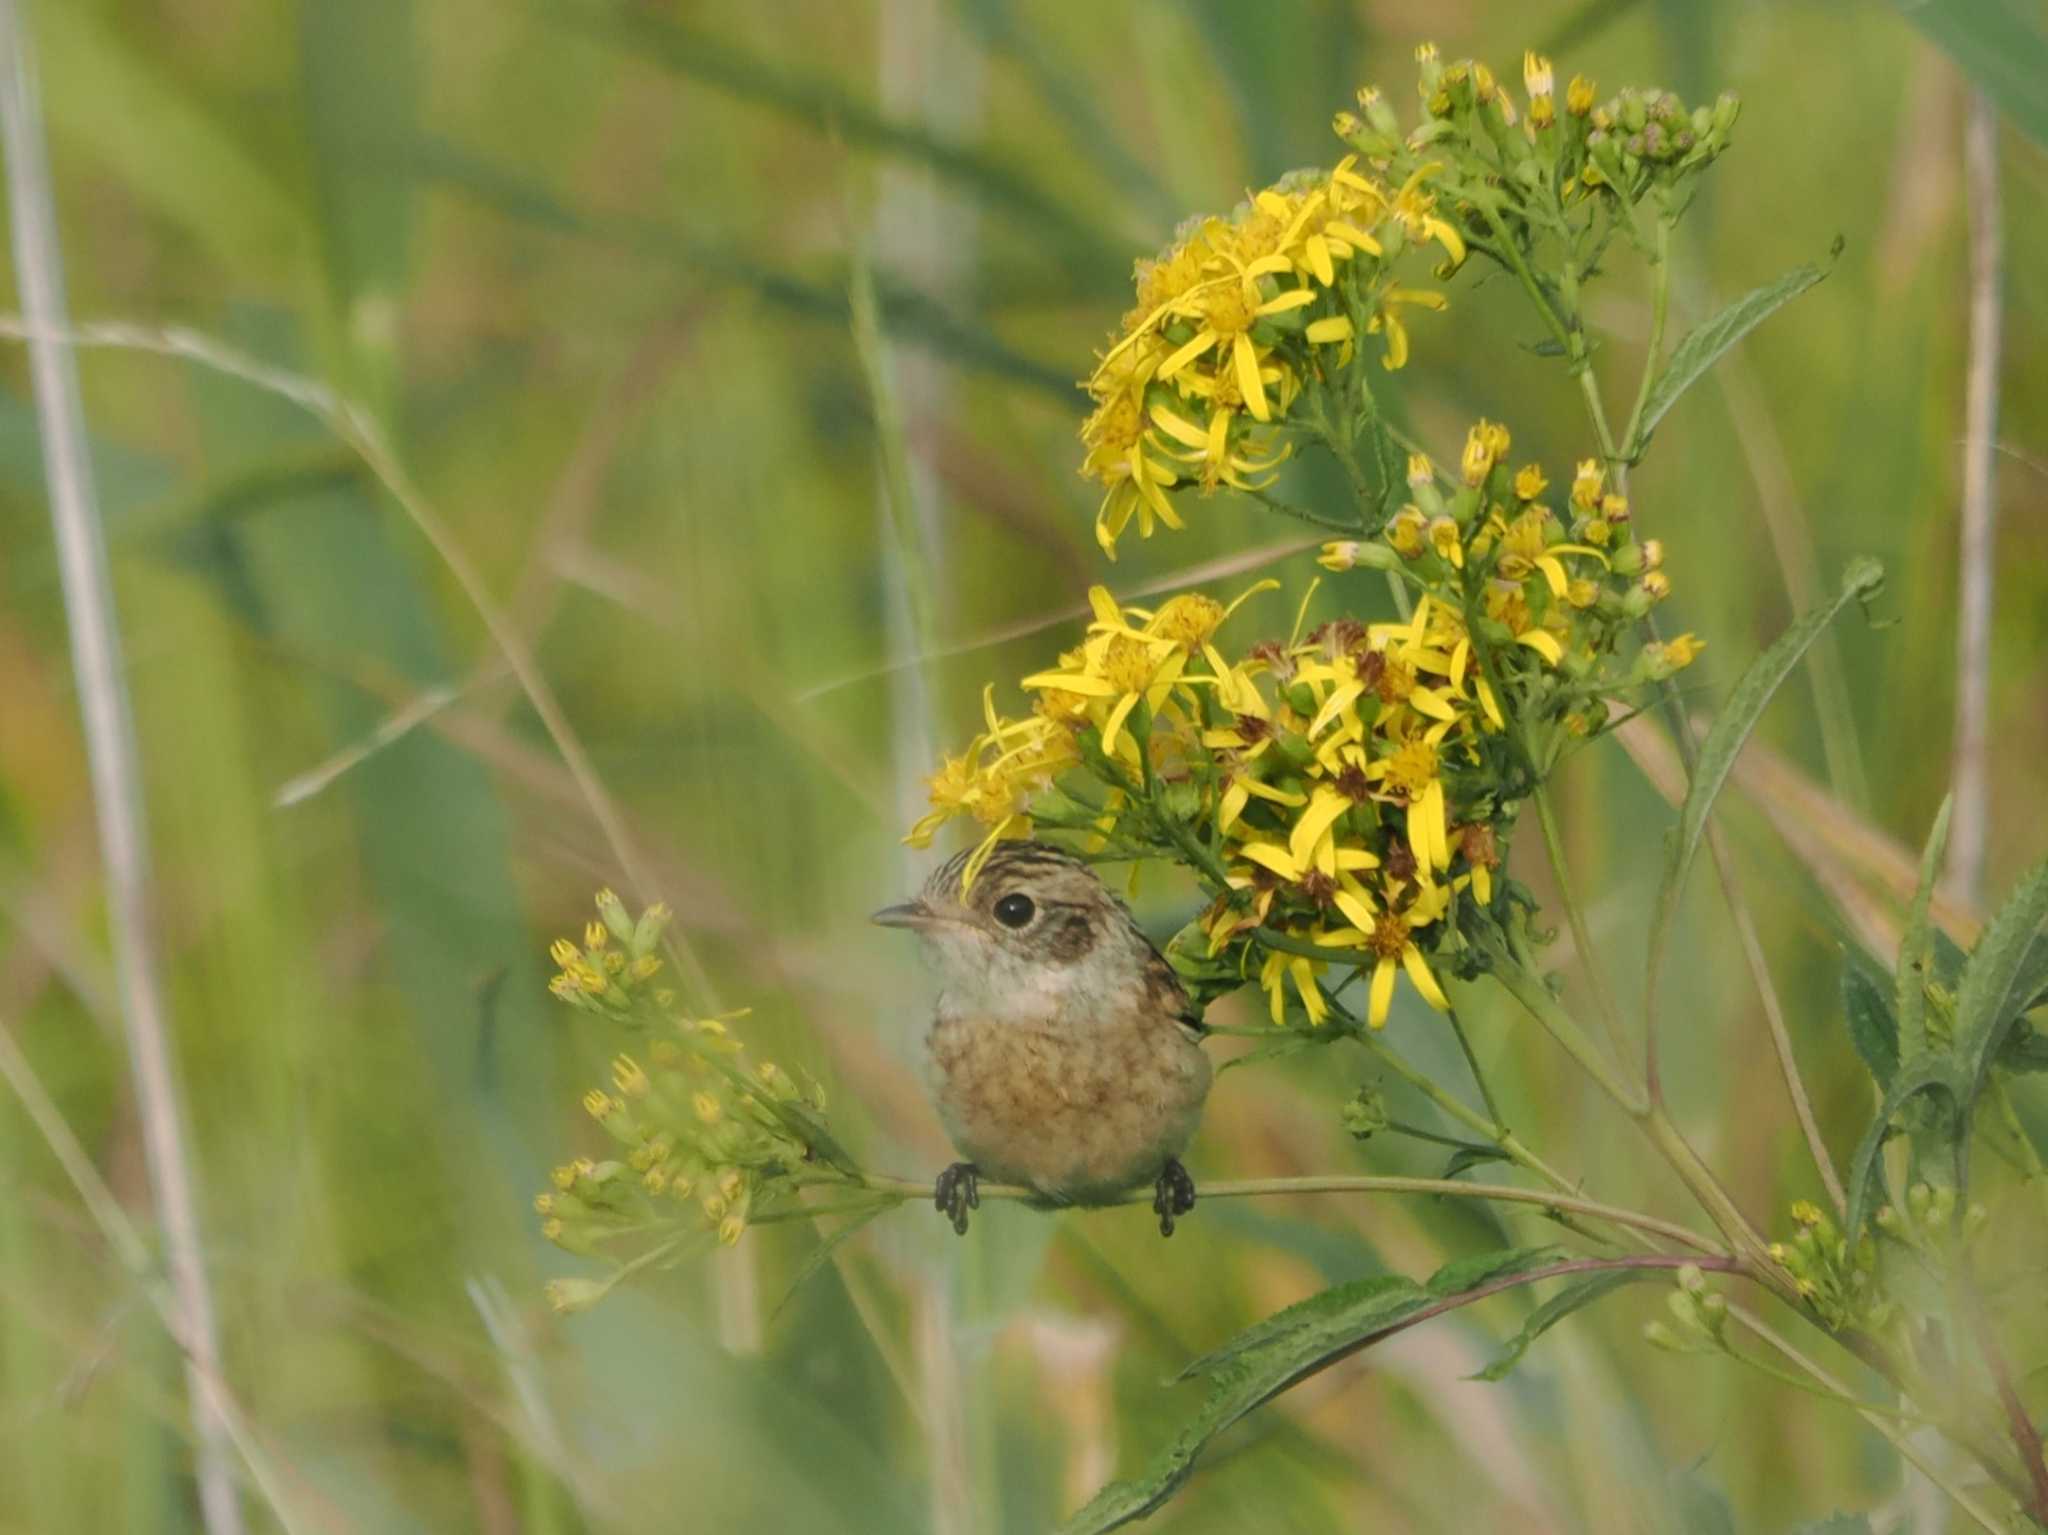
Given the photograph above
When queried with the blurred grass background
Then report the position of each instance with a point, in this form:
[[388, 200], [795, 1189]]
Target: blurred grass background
[[588, 265]]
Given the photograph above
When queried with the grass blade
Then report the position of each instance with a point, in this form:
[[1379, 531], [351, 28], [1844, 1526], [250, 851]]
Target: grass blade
[[1999, 46], [116, 773]]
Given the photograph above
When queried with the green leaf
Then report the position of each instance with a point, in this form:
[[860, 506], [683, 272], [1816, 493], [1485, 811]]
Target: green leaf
[[1253, 1368], [1468, 1157], [1867, 1007], [1359, 1298], [1929, 1074], [1914, 948], [1288, 1347], [2000, 45], [1704, 345], [815, 1261], [2027, 1050], [1732, 727], [1573, 1297], [1836, 1524], [1995, 987], [1463, 1274]]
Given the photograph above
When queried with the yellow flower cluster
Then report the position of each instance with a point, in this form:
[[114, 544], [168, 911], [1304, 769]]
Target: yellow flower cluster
[[703, 1139], [1229, 326], [1342, 792]]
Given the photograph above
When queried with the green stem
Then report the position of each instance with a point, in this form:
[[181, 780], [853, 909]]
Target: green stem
[[1493, 1130], [1472, 1064], [1448, 1188], [1528, 989], [1582, 936], [1574, 346], [1660, 304], [1301, 513]]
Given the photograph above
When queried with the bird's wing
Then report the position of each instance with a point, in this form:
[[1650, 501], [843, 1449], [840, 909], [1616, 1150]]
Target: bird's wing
[[1166, 997]]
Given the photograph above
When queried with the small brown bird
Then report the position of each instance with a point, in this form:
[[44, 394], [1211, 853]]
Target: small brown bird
[[1065, 1056]]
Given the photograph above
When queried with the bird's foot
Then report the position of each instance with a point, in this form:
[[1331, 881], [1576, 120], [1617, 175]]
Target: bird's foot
[[1173, 1194], [958, 1191]]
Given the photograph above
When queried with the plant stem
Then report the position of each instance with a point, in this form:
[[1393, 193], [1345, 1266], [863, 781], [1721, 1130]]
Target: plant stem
[[1660, 304], [92, 619], [1582, 936], [1254, 1188], [1528, 989], [1472, 1064], [1890, 1431]]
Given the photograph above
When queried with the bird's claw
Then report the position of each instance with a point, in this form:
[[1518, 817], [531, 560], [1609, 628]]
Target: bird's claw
[[1173, 1194], [958, 1191]]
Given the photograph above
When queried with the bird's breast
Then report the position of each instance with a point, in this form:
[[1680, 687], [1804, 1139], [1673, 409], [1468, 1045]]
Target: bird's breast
[[1080, 1114]]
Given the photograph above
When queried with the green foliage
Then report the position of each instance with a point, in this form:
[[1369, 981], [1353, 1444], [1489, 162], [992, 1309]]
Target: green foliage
[[1286, 1349], [1712, 339], [2001, 45], [1732, 726], [1576, 1295]]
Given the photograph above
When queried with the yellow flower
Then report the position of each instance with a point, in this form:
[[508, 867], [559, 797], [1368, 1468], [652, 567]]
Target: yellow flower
[[1391, 943], [1529, 482], [1578, 96], [1537, 77]]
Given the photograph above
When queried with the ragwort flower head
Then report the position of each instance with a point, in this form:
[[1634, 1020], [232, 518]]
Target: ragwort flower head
[[700, 1140], [1232, 322]]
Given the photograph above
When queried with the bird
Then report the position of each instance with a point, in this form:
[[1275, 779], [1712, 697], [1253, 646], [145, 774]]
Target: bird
[[1064, 1054]]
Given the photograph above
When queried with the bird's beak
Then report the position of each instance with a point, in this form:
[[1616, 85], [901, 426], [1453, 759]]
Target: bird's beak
[[909, 914]]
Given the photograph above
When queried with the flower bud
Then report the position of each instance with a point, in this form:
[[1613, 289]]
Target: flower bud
[[1578, 96], [569, 1296]]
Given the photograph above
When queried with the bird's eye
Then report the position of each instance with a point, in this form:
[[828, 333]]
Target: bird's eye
[[1015, 910]]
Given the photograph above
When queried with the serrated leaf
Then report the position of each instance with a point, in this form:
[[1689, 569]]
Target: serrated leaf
[[1993, 992], [1463, 1274], [1705, 344], [1929, 1074], [1732, 727], [1917, 948], [1867, 1008], [1360, 1298], [1264, 1360], [1573, 1297]]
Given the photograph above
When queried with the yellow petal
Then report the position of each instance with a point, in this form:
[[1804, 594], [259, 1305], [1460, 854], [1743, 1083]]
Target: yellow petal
[[1115, 723], [1323, 809], [1272, 856], [1178, 427], [1461, 656], [1543, 643], [1232, 804], [1249, 384], [1382, 994], [1356, 912], [1432, 808], [1553, 572], [1418, 972], [1432, 703], [1071, 682], [1330, 328], [1340, 699], [1204, 339], [1490, 704], [1293, 298], [1352, 235]]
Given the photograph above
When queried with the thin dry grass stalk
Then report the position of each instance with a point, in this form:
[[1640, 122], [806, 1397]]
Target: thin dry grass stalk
[[1969, 775], [116, 779]]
